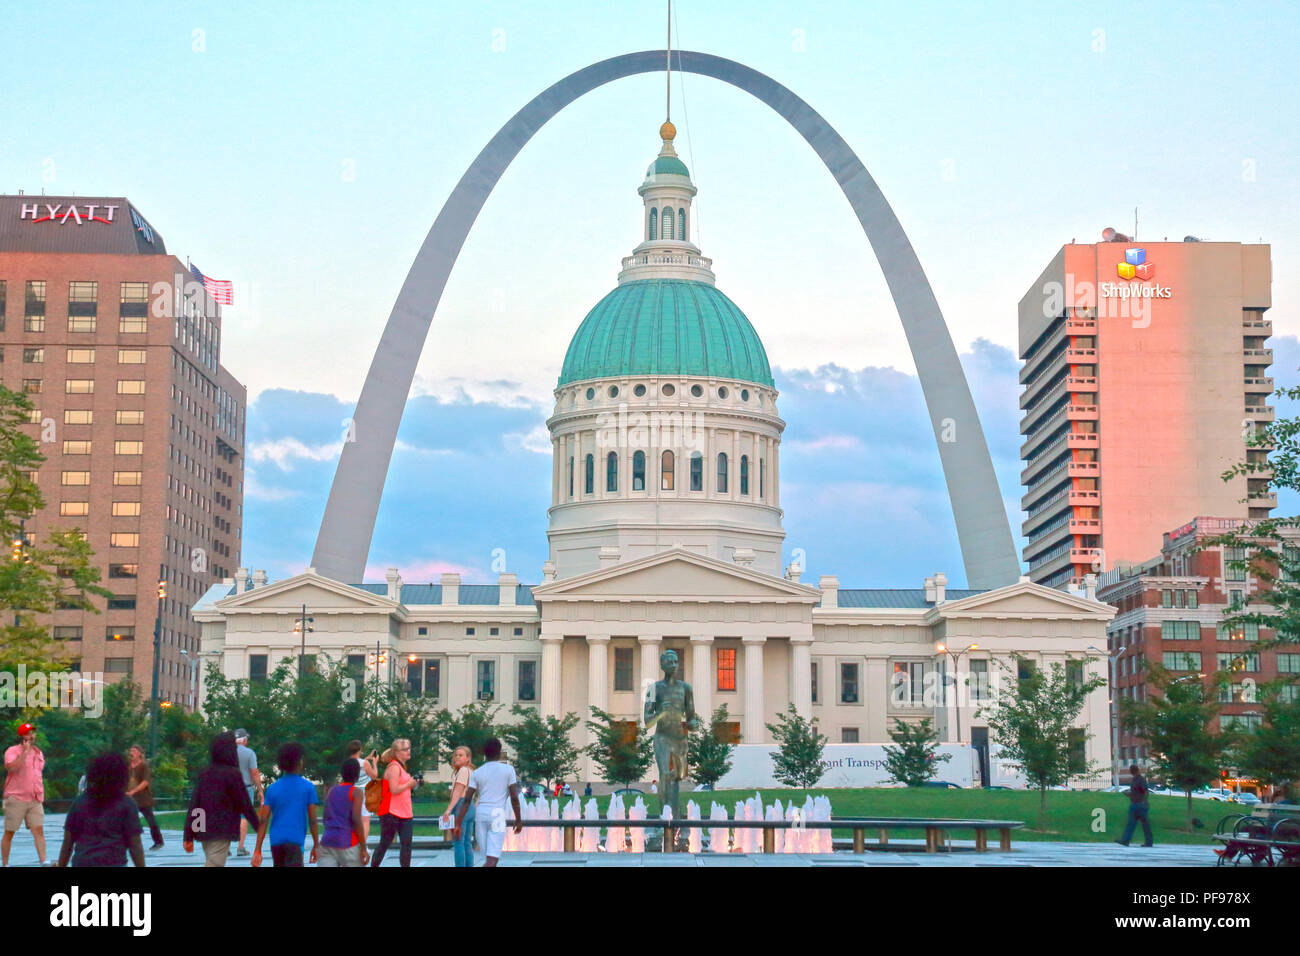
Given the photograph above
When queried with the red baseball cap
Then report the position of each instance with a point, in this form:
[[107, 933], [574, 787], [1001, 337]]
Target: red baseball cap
[[25, 729]]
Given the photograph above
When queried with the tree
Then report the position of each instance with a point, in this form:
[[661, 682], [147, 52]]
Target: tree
[[395, 713], [1259, 545], [914, 759], [1271, 753], [470, 727], [1034, 724], [709, 749], [621, 750], [542, 747], [35, 579], [797, 761], [1174, 721]]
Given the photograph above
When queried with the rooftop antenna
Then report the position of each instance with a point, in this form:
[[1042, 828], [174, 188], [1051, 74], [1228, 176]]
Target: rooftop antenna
[[668, 75]]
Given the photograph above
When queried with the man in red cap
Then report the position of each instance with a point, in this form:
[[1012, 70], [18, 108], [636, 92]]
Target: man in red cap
[[24, 793]]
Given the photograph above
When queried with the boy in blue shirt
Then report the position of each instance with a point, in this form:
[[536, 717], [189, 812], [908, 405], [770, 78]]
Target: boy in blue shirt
[[288, 807]]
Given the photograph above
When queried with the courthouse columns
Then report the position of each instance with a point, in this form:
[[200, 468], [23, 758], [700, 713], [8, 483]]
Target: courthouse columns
[[552, 646], [702, 675], [801, 651], [598, 671], [753, 730]]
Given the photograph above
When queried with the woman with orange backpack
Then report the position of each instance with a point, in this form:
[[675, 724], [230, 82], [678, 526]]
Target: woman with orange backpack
[[395, 810]]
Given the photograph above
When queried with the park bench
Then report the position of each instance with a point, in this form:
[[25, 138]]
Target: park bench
[[937, 830], [1269, 837]]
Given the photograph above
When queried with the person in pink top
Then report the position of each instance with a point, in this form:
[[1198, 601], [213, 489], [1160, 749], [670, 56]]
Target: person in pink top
[[396, 812], [24, 793]]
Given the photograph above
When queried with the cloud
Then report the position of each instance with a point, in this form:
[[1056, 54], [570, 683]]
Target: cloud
[[282, 452]]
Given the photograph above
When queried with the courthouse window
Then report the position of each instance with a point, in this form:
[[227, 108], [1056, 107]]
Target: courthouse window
[[487, 672], [1238, 662], [1239, 631], [1229, 572], [849, 683], [527, 680], [622, 668], [726, 668]]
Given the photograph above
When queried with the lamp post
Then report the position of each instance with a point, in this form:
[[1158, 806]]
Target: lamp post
[[302, 626], [157, 653], [955, 657], [1113, 703]]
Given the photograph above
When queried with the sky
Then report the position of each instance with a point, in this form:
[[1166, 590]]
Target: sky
[[302, 150]]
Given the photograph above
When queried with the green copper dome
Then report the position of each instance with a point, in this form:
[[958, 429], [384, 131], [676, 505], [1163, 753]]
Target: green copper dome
[[666, 327], [667, 164]]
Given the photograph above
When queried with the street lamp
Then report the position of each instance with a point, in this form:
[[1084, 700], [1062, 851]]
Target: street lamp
[[955, 656], [1113, 662], [196, 661], [157, 653], [302, 626]]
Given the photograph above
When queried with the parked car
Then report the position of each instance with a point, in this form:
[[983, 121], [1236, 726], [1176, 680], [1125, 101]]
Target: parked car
[[1246, 798], [943, 784]]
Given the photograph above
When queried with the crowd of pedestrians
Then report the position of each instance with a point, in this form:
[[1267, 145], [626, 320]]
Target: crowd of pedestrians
[[103, 828]]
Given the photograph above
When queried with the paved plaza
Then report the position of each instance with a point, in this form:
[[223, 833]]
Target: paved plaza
[[901, 853]]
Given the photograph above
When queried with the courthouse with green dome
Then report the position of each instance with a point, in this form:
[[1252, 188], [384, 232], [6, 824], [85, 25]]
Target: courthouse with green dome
[[666, 532]]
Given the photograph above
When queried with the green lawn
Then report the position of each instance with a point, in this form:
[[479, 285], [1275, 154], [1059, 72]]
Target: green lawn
[[1070, 815]]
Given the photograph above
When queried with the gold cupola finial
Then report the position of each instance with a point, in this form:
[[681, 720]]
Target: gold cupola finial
[[668, 131]]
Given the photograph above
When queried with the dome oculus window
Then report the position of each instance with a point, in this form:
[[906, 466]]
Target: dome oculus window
[[744, 394], [639, 391], [697, 390], [722, 391], [668, 389], [613, 391], [591, 393]]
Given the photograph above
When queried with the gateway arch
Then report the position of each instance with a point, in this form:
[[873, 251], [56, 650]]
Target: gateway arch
[[983, 532]]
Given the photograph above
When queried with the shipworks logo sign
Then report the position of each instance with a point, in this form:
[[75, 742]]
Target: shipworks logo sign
[[1137, 270], [61, 214]]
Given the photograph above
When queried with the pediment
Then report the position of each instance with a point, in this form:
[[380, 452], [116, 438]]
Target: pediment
[[676, 575], [1026, 599], [314, 591]]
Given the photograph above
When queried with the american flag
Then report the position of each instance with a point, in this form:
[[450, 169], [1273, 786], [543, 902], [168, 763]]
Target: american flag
[[220, 289]]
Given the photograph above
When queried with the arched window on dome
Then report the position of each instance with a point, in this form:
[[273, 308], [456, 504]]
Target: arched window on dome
[[638, 471], [744, 475], [611, 471], [697, 471], [667, 470], [669, 227], [653, 231], [589, 476], [681, 225], [722, 473]]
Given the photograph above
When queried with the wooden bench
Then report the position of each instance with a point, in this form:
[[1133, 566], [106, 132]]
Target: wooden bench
[[936, 829]]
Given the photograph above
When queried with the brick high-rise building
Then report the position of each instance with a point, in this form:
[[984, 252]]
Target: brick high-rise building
[[118, 347], [1170, 610], [1145, 370]]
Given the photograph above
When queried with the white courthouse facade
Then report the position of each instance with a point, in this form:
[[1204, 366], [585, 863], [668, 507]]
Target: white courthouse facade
[[665, 531]]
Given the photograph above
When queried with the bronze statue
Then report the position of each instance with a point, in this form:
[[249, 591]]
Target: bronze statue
[[670, 709]]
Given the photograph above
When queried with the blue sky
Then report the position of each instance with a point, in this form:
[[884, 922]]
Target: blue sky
[[302, 151]]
